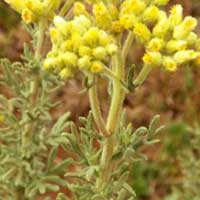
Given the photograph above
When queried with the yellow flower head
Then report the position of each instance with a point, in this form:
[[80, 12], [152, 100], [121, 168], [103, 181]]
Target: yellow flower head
[[161, 28], [185, 56], [128, 21], [176, 15], [151, 14], [66, 73], [132, 7], [102, 16], [155, 44], [84, 62], [79, 9], [176, 45], [169, 64], [152, 58], [27, 16], [99, 53], [142, 32], [96, 67]]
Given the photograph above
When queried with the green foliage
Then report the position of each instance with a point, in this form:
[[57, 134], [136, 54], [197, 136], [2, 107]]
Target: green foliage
[[28, 151]]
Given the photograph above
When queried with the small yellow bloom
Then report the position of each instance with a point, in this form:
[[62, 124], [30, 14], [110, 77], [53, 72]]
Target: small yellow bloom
[[84, 51], [152, 58], [66, 73], [36, 6], [111, 49], [169, 64], [182, 31], [176, 15], [185, 56], [69, 59], [132, 6], [192, 38], [151, 14], [49, 63], [91, 37], [176, 45], [102, 16], [161, 28], [27, 16], [84, 62], [99, 53], [128, 21], [142, 32], [155, 44], [79, 9], [96, 67], [116, 27]]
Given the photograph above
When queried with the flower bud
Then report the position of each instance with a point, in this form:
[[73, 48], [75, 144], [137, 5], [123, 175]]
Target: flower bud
[[161, 28], [142, 32], [69, 59], [192, 38], [36, 6], [66, 73], [176, 45], [96, 67], [111, 49], [27, 16], [49, 63], [61, 25], [91, 37], [151, 14], [99, 53], [185, 56], [169, 64], [152, 58], [84, 51], [128, 21], [84, 62], [176, 15], [155, 44], [79, 9], [181, 31]]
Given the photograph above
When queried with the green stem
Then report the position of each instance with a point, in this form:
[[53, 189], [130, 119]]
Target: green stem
[[142, 75], [127, 45], [94, 103], [66, 7], [113, 119], [40, 39]]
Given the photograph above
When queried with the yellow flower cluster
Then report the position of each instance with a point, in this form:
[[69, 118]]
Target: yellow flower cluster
[[173, 41], [77, 44], [34, 10]]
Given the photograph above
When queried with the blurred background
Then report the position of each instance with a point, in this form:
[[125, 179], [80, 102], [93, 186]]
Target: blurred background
[[172, 170]]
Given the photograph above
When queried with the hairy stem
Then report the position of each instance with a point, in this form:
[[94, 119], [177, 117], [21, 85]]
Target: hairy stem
[[66, 7], [127, 45], [142, 75], [113, 119], [94, 104]]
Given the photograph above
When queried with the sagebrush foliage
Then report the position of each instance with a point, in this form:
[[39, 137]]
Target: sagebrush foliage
[[92, 37]]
